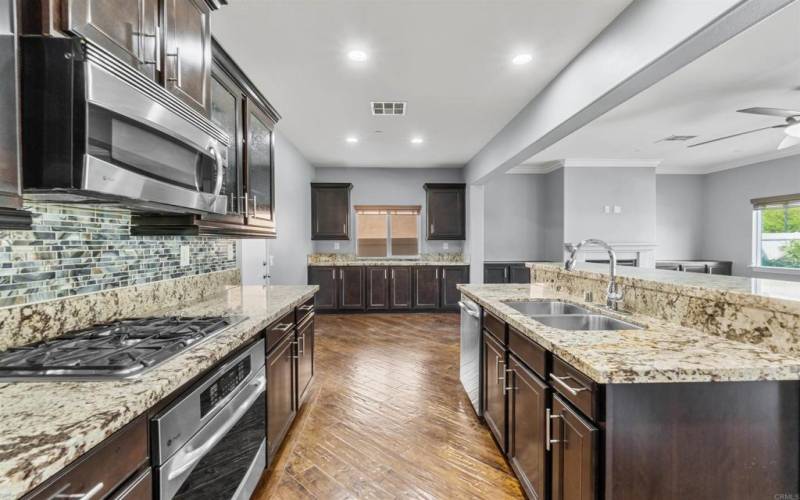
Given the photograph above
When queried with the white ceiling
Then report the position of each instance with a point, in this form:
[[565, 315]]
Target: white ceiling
[[449, 59], [759, 67]]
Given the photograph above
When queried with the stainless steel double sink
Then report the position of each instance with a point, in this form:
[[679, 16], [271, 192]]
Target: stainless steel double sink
[[566, 316]]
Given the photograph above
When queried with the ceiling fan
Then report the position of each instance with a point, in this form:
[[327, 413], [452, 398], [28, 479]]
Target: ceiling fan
[[791, 127]]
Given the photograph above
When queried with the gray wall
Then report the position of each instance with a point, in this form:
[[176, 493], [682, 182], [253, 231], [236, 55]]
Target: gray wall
[[293, 199], [514, 214], [588, 189], [729, 214], [680, 229], [553, 220], [388, 186]]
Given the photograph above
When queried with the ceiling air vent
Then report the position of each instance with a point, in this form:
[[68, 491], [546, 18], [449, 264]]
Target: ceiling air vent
[[397, 108], [678, 138]]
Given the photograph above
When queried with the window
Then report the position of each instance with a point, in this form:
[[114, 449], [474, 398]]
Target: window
[[387, 231], [776, 223]]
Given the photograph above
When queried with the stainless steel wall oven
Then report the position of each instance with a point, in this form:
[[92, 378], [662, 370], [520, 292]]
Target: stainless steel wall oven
[[211, 442], [95, 129]]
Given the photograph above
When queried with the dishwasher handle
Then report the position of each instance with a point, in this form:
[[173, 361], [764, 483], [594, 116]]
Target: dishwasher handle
[[475, 313]]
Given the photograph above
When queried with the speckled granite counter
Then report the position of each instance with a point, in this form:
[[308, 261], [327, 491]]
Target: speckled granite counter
[[438, 259], [46, 425], [662, 352]]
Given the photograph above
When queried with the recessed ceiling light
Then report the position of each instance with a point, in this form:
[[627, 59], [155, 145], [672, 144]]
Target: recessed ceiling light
[[521, 59], [352, 139], [417, 140], [357, 55]]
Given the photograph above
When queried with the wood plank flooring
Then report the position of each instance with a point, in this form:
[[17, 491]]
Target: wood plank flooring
[[387, 418]]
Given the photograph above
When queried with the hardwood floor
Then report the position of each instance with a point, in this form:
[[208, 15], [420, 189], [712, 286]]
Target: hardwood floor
[[387, 418]]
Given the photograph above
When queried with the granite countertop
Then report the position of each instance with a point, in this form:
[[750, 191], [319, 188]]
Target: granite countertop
[[662, 352], [46, 425]]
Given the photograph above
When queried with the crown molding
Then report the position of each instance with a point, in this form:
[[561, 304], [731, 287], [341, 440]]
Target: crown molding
[[547, 167]]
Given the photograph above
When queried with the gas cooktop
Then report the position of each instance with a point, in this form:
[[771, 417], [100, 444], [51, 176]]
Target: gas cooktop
[[123, 348]]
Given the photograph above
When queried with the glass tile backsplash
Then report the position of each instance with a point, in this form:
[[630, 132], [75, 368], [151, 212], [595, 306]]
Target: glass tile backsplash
[[74, 250]]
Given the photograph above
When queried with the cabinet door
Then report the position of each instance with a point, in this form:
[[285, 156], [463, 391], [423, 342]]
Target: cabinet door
[[305, 358], [400, 295], [227, 102], [330, 211], [259, 168], [281, 408], [494, 398], [426, 287], [527, 433], [694, 268], [574, 454], [495, 273], [325, 277], [452, 276], [519, 273], [446, 211], [351, 288], [126, 28], [378, 288], [187, 52]]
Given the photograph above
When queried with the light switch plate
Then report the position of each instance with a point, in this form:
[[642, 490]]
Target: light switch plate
[[336, 245], [231, 252], [184, 255], [617, 209], [606, 209]]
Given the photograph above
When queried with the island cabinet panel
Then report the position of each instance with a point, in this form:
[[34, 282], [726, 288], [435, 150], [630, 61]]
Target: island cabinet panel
[[451, 277], [494, 398], [378, 287], [326, 279], [574, 446], [426, 287], [527, 428], [351, 288], [330, 211], [704, 441], [281, 399], [103, 469], [400, 293], [305, 358]]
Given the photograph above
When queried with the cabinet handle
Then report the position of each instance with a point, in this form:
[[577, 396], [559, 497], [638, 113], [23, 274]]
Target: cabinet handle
[[508, 378], [306, 308], [385, 274], [548, 441], [80, 496], [302, 346], [344, 228], [283, 327], [341, 274], [497, 371], [444, 274], [177, 79], [392, 273], [560, 381], [437, 273], [432, 226], [333, 273], [505, 273]]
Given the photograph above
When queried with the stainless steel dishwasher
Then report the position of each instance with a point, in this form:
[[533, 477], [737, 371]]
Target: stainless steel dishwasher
[[470, 373]]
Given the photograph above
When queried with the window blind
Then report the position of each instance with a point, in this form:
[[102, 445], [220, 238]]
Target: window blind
[[786, 200]]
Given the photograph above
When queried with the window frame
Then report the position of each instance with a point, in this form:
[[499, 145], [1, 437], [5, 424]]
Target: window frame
[[759, 204], [388, 215]]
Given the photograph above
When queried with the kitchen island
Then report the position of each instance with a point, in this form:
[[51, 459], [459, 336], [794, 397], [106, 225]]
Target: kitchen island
[[44, 426], [666, 410]]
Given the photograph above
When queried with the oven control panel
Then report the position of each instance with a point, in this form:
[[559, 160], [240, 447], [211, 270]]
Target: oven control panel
[[225, 384]]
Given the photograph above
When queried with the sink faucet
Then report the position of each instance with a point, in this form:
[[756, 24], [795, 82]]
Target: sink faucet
[[613, 293]]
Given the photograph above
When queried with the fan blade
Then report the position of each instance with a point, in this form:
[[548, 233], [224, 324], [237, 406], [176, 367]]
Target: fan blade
[[788, 142], [736, 135], [785, 113]]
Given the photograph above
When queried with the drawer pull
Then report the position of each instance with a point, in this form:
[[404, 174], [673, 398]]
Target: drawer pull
[[283, 327], [306, 308], [97, 488], [560, 381]]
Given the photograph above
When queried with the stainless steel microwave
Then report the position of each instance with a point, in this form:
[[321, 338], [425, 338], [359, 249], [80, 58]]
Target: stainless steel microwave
[[96, 130]]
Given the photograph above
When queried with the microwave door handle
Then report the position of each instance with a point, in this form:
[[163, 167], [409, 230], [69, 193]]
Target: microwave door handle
[[220, 170], [196, 455]]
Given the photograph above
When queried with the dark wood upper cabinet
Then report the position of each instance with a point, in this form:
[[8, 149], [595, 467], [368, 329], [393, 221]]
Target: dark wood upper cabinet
[[446, 211], [452, 276], [574, 454], [351, 287], [281, 398], [125, 28], [400, 294], [378, 287], [330, 211], [519, 273], [227, 106], [426, 287], [527, 432], [495, 273], [259, 171], [187, 52], [327, 279], [493, 380]]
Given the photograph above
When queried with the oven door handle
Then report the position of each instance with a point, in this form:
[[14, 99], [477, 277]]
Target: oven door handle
[[195, 456]]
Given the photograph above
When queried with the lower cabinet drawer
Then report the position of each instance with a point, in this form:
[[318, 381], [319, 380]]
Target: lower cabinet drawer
[[138, 488], [304, 310], [575, 387], [104, 468], [529, 352], [278, 330]]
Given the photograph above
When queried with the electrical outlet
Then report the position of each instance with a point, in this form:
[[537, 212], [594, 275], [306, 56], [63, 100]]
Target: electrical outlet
[[606, 209], [445, 245], [337, 245], [184, 255], [231, 251], [617, 209], [271, 260]]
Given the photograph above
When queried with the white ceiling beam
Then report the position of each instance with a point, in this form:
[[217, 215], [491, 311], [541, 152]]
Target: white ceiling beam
[[648, 41]]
